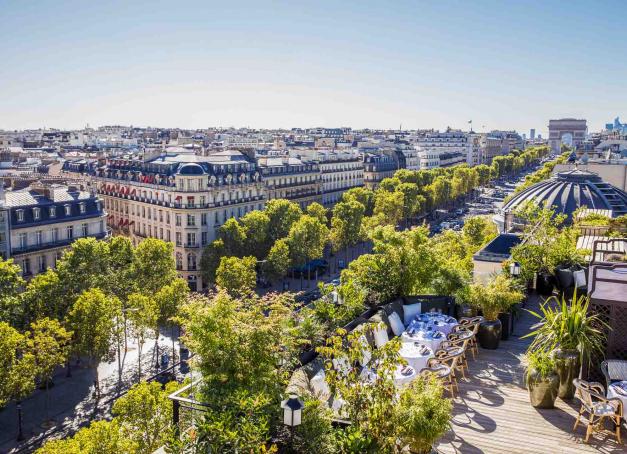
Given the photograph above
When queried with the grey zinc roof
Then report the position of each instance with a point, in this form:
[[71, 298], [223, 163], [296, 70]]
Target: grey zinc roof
[[26, 197]]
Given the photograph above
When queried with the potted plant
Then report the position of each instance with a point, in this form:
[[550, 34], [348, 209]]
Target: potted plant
[[571, 334], [541, 379], [498, 296], [422, 416]]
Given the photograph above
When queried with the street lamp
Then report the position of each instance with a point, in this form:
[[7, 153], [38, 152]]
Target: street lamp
[[514, 269]]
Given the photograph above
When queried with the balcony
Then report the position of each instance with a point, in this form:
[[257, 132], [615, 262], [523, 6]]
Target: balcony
[[56, 244]]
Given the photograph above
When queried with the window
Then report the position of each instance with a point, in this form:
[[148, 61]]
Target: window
[[55, 235], [179, 261], [178, 220], [191, 220], [20, 215], [167, 217], [179, 242], [23, 240], [191, 261], [36, 214], [191, 239], [69, 232], [53, 212], [68, 210], [39, 237], [204, 238], [203, 219], [26, 266], [41, 263], [190, 202], [85, 229], [160, 233], [81, 207], [149, 214], [167, 235]]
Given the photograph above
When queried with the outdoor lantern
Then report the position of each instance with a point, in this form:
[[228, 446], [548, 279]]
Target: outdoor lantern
[[514, 269], [292, 410]]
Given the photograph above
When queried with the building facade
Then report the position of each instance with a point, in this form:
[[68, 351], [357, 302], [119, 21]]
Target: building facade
[[340, 170], [454, 145], [43, 220], [177, 197], [378, 166], [290, 178]]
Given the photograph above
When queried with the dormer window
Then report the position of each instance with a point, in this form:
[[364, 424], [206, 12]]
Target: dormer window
[[68, 210], [20, 215], [36, 214], [81, 207], [53, 212]]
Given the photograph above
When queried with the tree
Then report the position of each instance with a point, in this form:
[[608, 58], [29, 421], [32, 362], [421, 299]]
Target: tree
[[237, 275], [143, 314], [144, 415], [233, 236], [483, 174], [92, 319], [306, 240], [48, 343], [17, 374], [101, 437], [85, 265], [479, 230], [278, 262], [364, 196], [390, 205], [411, 201], [169, 299], [346, 224], [121, 255], [210, 260], [153, 265], [282, 214], [11, 283], [256, 226], [44, 297], [318, 211]]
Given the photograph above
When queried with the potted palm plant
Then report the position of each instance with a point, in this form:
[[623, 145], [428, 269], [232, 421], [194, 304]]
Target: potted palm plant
[[498, 296], [571, 334], [541, 379]]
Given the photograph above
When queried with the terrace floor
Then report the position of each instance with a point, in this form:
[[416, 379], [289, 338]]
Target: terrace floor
[[492, 413]]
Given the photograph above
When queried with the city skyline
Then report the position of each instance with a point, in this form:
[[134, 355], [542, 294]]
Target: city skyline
[[374, 66]]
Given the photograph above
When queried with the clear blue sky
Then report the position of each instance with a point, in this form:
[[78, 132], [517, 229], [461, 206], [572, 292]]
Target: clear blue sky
[[505, 64]]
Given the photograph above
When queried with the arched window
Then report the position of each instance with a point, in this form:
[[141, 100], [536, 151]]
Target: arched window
[[179, 261]]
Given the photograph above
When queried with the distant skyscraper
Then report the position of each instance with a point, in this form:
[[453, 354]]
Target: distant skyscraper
[[532, 134]]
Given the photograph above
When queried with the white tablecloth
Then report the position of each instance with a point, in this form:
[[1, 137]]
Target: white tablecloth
[[424, 337], [612, 392], [411, 353], [402, 380]]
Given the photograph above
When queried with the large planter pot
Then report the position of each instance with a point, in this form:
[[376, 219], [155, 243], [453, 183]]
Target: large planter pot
[[567, 366], [542, 390], [489, 334], [544, 284], [506, 325]]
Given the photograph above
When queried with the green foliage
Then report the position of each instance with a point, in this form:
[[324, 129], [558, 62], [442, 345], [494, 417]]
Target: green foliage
[[233, 237], [346, 224], [17, 374], [306, 240], [237, 276], [10, 284], [390, 206], [497, 296], [540, 362], [278, 262], [153, 265], [423, 415], [210, 260], [48, 342], [101, 437], [282, 214], [364, 196], [317, 211], [256, 226], [44, 297], [568, 326], [479, 231], [145, 415]]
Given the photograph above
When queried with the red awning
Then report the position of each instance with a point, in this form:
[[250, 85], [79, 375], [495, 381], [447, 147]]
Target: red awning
[[178, 197], [133, 191]]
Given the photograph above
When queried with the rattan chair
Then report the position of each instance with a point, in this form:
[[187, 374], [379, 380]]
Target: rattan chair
[[461, 338], [614, 370], [598, 407], [442, 372], [470, 324], [452, 357]]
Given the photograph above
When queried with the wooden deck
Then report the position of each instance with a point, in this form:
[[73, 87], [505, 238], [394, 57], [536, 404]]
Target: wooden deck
[[492, 413]]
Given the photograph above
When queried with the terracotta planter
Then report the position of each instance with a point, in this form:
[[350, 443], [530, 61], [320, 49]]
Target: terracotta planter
[[489, 334], [542, 390], [567, 366]]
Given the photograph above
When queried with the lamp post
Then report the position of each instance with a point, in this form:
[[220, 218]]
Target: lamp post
[[20, 433], [514, 269], [292, 413]]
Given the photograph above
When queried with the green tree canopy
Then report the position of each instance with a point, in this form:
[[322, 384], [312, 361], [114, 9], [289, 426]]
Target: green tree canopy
[[237, 275], [282, 214]]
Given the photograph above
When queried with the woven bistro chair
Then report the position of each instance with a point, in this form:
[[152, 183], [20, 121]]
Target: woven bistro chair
[[470, 324], [598, 407], [614, 370], [442, 372], [462, 339], [452, 357]]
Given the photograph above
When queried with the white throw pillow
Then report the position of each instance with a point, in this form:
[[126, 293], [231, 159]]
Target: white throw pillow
[[319, 385], [410, 312], [580, 278], [396, 324], [380, 336]]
